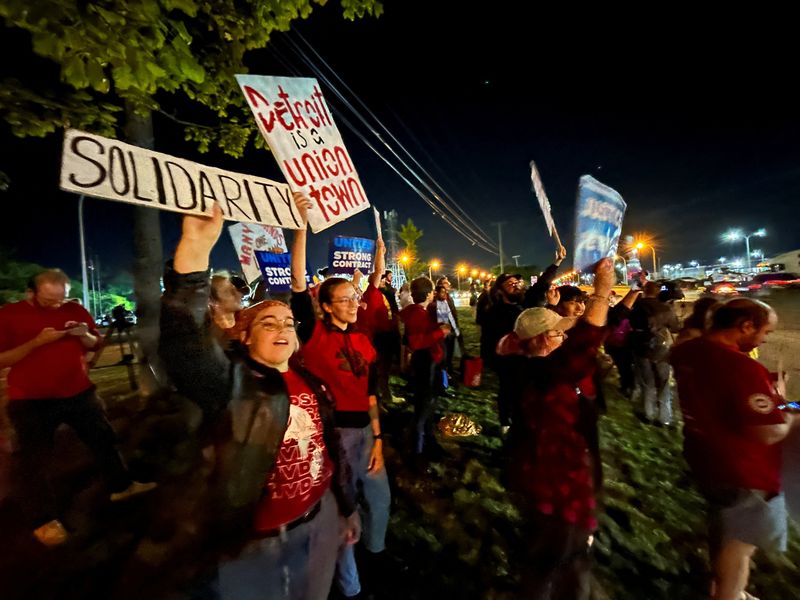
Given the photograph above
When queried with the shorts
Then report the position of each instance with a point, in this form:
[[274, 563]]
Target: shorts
[[754, 517]]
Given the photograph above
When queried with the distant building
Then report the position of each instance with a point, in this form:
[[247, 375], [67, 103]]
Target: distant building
[[788, 261]]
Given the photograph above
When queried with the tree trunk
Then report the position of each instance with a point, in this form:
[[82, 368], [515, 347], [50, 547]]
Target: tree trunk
[[148, 267]]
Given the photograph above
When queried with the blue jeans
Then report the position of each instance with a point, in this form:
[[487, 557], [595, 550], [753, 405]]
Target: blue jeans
[[374, 498], [297, 565]]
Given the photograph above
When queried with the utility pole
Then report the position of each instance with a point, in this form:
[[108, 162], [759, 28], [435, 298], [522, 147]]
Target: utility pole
[[500, 242], [84, 274], [516, 260]]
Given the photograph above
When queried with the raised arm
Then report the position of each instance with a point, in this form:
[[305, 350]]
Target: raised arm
[[597, 309], [299, 244]]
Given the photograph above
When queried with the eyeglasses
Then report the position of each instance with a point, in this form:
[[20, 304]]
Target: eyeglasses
[[347, 299], [273, 324]]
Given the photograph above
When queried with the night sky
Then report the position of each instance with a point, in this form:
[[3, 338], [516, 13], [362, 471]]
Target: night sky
[[692, 118]]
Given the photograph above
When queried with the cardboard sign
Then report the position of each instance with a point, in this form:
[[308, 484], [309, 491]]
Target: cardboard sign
[[276, 270], [105, 168], [541, 196], [598, 222], [249, 237], [350, 253], [295, 120], [378, 229]]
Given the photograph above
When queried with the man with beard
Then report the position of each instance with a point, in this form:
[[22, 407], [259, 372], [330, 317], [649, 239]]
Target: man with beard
[[506, 295], [733, 432]]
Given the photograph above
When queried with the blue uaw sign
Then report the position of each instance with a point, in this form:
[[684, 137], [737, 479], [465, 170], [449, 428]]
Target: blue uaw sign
[[276, 270], [598, 222], [350, 253]]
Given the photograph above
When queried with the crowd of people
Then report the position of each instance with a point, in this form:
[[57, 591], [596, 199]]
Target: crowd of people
[[291, 392]]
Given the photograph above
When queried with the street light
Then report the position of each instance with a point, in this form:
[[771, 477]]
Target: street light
[[624, 267], [641, 245], [474, 273], [737, 234], [460, 272], [433, 265]]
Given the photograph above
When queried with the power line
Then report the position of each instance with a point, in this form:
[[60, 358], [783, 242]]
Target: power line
[[474, 226], [475, 231]]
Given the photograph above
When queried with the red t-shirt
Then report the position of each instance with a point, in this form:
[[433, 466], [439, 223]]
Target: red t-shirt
[[342, 360], [303, 469], [422, 331], [722, 392], [377, 317], [55, 370]]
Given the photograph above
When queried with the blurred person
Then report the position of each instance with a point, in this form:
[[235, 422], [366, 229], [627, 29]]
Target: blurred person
[[44, 340], [404, 296], [652, 323], [442, 311], [498, 320], [733, 435], [697, 323], [225, 298], [425, 339], [536, 295], [289, 477], [553, 456], [336, 352]]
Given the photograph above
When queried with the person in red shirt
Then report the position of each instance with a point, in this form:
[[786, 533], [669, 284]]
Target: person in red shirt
[[337, 352], [425, 339], [733, 429], [276, 409], [44, 340], [552, 466]]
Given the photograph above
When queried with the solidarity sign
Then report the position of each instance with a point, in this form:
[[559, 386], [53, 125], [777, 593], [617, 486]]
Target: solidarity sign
[[97, 166], [598, 222]]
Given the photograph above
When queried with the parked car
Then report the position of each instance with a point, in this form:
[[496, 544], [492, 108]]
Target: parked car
[[770, 281], [725, 288]]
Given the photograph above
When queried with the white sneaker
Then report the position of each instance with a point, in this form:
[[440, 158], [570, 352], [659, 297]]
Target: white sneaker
[[137, 487]]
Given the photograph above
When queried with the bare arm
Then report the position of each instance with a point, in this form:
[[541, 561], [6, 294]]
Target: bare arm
[[198, 236], [299, 244], [772, 434], [597, 309], [380, 263]]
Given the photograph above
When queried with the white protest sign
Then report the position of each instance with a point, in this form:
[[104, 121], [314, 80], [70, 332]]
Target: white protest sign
[[295, 120], [544, 203], [377, 216], [249, 237], [110, 169]]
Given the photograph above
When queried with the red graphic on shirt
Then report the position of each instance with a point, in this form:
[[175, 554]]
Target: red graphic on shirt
[[302, 470]]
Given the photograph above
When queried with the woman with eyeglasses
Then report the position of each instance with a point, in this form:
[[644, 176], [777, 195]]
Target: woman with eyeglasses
[[338, 353], [279, 465], [553, 464]]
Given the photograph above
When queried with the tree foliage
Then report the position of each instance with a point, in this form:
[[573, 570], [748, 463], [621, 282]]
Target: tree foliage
[[146, 54], [410, 234]]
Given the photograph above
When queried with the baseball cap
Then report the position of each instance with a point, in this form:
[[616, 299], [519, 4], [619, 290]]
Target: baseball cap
[[501, 279], [533, 321]]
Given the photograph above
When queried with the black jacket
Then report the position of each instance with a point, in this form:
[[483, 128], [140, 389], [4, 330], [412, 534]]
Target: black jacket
[[228, 386]]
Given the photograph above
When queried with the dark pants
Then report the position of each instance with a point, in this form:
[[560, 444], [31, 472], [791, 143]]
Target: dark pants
[[557, 560], [423, 371], [387, 345], [35, 422], [623, 360], [507, 369]]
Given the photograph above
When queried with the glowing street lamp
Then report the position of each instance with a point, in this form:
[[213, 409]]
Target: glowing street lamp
[[640, 246], [483, 275], [474, 273], [460, 272], [737, 234], [433, 266]]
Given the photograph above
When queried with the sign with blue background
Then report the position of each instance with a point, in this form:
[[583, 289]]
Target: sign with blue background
[[276, 270], [598, 222], [350, 253]]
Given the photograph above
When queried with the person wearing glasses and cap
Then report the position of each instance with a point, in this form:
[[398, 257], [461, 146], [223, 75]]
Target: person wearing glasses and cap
[[280, 463], [337, 352], [551, 466]]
